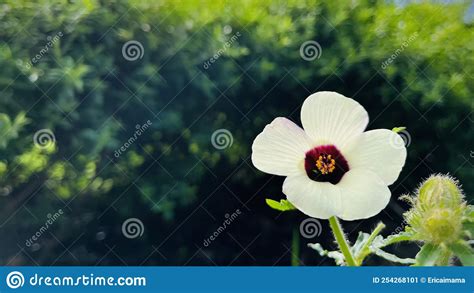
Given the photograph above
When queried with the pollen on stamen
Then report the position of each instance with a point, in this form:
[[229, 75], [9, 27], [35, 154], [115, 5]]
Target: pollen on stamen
[[325, 164]]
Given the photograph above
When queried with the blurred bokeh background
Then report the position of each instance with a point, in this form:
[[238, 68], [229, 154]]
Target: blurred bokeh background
[[145, 111]]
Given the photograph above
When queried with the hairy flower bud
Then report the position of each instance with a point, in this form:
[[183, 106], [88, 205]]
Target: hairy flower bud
[[437, 211], [440, 191]]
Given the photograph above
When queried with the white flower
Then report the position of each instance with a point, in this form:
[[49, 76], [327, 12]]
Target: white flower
[[333, 167]]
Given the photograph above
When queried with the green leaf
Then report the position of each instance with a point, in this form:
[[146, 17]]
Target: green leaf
[[398, 129], [375, 243], [361, 248], [464, 252], [20, 119], [392, 257], [372, 243], [359, 244], [380, 242], [282, 206], [429, 255], [336, 255]]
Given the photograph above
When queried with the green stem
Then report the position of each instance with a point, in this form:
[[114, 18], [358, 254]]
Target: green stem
[[341, 241], [295, 248]]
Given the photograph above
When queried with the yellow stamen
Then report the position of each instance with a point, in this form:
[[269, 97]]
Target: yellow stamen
[[326, 164]]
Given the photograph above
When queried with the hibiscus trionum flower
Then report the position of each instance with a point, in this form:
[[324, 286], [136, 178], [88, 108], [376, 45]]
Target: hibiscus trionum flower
[[333, 167]]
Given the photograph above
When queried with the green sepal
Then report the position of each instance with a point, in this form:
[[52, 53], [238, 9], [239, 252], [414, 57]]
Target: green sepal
[[429, 255], [464, 252], [469, 214], [281, 206], [398, 129]]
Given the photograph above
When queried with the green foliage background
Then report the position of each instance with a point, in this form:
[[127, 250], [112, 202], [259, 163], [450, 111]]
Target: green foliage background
[[172, 178]]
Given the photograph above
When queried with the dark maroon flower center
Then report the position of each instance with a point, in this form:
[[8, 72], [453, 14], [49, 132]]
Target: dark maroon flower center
[[325, 163]]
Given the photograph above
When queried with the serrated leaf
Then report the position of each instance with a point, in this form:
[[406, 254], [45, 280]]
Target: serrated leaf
[[380, 242], [336, 255], [282, 206], [361, 248], [464, 252], [429, 255], [392, 257], [318, 248]]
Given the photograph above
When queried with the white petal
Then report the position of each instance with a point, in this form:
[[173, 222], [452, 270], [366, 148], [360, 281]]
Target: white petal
[[382, 151], [331, 118], [363, 195], [316, 199], [281, 148]]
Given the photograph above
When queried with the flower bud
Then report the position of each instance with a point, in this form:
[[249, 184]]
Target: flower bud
[[437, 211], [440, 191]]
